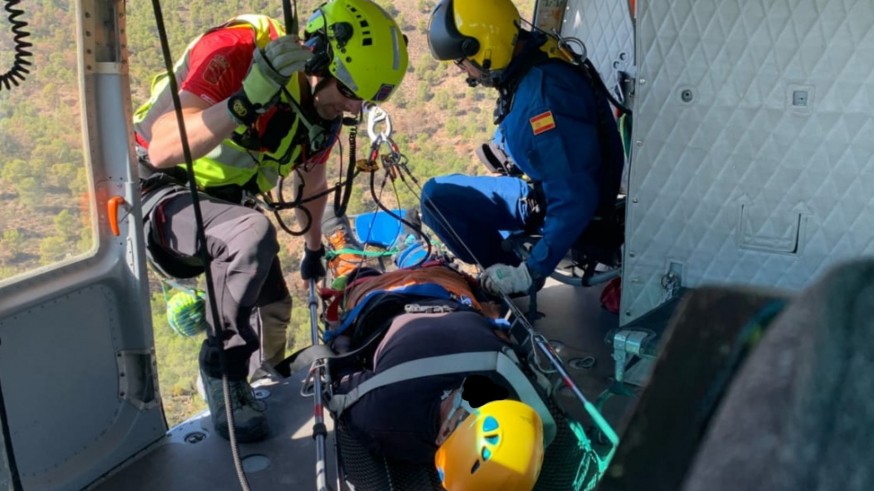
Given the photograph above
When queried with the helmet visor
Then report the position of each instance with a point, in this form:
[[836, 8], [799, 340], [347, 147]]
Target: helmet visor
[[445, 41]]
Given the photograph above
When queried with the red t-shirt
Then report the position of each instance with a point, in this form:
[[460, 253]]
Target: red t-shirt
[[217, 65], [219, 62]]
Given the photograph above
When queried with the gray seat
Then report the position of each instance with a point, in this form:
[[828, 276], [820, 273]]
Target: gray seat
[[748, 396], [799, 415]]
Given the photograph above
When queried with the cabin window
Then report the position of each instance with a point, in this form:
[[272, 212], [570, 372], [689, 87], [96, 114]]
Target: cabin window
[[46, 211]]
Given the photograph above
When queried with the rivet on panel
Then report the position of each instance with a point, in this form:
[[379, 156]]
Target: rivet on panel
[[687, 95]]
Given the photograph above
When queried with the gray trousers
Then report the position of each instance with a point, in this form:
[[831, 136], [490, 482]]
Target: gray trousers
[[253, 301]]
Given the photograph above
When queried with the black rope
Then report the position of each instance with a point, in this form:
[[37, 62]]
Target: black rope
[[296, 204], [289, 15], [298, 200], [7, 443], [415, 227], [593, 74], [341, 199], [215, 334]]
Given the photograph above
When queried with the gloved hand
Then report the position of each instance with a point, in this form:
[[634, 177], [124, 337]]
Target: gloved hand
[[311, 266], [271, 69], [506, 279]]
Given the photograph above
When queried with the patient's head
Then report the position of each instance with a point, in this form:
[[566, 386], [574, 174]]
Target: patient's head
[[496, 446]]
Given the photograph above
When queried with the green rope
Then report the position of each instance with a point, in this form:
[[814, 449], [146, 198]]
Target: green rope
[[333, 254]]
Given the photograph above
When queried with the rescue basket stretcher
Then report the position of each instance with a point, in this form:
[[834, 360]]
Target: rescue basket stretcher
[[577, 453]]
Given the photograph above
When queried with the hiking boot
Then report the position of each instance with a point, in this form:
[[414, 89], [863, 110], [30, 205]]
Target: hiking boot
[[250, 422], [341, 238]]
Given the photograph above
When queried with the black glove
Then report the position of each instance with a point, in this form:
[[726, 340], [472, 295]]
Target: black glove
[[311, 266]]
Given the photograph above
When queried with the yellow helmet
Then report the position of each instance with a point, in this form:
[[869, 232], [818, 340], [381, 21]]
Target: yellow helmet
[[482, 31], [498, 446], [359, 44]]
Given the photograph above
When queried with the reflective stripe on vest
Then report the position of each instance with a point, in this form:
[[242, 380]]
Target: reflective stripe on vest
[[229, 163]]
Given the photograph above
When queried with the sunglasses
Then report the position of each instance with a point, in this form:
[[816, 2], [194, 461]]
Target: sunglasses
[[347, 92]]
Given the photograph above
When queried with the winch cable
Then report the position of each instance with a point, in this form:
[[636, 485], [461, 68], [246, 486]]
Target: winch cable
[[215, 334]]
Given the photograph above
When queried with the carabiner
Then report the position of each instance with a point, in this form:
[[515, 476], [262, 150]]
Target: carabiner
[[375, 116]]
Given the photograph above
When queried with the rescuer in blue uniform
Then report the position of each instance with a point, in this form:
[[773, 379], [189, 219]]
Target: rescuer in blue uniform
[[556, 126]]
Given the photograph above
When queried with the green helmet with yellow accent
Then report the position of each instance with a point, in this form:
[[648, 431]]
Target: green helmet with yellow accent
[[359, 44], [483, 32]]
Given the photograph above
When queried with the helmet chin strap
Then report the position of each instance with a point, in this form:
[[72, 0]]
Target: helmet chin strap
[[316, 133], [483, 76]]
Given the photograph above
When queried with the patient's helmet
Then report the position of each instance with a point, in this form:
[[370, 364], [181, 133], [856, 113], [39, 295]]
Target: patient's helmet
[[497, 447]]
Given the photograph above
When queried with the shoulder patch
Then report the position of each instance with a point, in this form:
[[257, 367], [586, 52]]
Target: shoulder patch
[[217, 67], [542, 123]]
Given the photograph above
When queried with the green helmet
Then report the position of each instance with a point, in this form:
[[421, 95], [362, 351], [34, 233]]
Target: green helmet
[[365, 49], [186, 312]]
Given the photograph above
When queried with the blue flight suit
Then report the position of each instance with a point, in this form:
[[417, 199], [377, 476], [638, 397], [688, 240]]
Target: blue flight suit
[[552, 134]]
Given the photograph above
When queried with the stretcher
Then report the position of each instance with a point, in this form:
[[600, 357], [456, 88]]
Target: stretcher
[[577, 451]]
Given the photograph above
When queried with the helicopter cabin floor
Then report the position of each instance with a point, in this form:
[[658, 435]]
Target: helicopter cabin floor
[[192, 457]]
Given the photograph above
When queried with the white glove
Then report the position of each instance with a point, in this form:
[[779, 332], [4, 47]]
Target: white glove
[[506, 279], [272, 68]]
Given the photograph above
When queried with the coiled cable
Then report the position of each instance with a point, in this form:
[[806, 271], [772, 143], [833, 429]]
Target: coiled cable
[[18, 70]]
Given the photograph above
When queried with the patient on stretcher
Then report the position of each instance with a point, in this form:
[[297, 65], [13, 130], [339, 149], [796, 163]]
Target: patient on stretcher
[[411, 320]]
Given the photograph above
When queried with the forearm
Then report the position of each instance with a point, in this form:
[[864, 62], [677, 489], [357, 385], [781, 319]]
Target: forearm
[[204, 128]]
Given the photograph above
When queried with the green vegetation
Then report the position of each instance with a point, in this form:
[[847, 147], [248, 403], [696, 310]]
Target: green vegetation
[[45, 203]]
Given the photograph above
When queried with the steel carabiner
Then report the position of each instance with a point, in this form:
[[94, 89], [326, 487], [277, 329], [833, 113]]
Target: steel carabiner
[[376, 116]]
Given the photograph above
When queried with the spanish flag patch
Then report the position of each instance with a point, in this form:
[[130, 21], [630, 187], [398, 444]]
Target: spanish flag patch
[[542, 122]]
